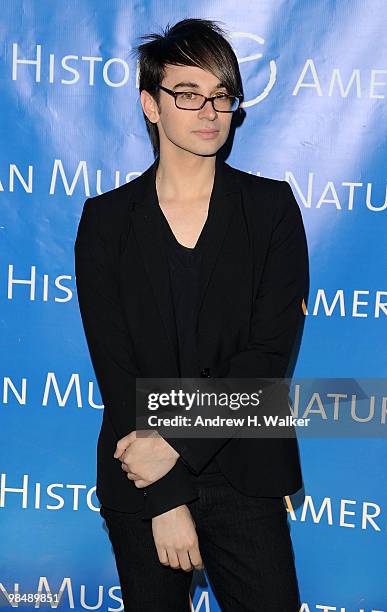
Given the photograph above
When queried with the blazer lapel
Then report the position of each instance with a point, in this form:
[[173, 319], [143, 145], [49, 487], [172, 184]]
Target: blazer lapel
[[225, 199], [148, 229]]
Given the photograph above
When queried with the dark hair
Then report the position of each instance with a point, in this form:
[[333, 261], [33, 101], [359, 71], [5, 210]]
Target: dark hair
[[190, 42]]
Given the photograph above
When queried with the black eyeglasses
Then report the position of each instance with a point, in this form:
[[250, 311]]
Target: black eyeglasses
[[189, 100]]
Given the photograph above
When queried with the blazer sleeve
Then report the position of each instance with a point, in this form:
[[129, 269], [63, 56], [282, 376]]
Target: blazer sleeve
[[275, 320], [111, 352]]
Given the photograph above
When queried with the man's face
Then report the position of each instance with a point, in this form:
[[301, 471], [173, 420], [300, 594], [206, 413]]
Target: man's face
[[184, 128]]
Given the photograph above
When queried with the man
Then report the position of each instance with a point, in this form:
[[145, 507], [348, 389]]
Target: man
[[193, 269]]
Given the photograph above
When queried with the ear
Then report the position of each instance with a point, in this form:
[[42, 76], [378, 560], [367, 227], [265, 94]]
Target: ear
[[149, 106]]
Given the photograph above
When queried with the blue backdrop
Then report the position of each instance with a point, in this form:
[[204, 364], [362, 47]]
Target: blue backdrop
[[315, 81]]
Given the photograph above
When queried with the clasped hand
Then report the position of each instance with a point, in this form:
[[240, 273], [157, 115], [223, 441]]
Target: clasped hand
[[145, 458]]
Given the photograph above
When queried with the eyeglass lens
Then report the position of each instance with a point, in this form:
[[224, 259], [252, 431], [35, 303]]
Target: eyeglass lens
[[193, 101]]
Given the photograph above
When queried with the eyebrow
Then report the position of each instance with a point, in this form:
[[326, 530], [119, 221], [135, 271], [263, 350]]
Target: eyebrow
[[195, 85]]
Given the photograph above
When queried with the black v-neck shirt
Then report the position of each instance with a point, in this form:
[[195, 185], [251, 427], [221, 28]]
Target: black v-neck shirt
[[184, 268], [184, 265]]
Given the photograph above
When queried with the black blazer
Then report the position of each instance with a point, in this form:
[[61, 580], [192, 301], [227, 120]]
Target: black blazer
[[254, 278]]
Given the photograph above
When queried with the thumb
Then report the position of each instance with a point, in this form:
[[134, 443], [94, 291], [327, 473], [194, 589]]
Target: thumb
[[123, 444]]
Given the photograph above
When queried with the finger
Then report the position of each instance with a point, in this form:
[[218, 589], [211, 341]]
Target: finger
[[140, 483], [196, 558], [173, 558], [120, 448], [185, 562], [123, 444], [130, 475], [162, 555], [125, 467]]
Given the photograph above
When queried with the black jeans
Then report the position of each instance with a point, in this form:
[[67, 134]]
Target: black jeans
[[244, 542]]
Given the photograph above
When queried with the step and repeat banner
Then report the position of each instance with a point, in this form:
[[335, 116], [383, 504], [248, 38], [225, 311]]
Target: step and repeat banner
[[315, 82]]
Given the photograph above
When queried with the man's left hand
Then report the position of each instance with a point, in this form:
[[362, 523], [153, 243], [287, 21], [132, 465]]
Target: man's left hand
[[147, 458]]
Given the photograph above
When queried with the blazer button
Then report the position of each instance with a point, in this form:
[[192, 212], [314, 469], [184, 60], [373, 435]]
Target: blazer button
[[205, 373]]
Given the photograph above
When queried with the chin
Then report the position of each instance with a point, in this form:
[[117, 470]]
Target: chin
[[203, 148], [209, 153], [210, 149]]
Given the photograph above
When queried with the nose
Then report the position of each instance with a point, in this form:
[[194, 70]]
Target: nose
[[208, 110]]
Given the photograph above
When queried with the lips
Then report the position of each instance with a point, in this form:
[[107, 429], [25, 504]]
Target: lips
[[206, 131]]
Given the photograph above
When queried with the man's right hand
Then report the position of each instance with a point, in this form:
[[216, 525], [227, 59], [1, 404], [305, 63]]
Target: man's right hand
[[176, 539]]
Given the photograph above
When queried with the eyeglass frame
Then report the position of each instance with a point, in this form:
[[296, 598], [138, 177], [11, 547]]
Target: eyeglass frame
[[173, 93]]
